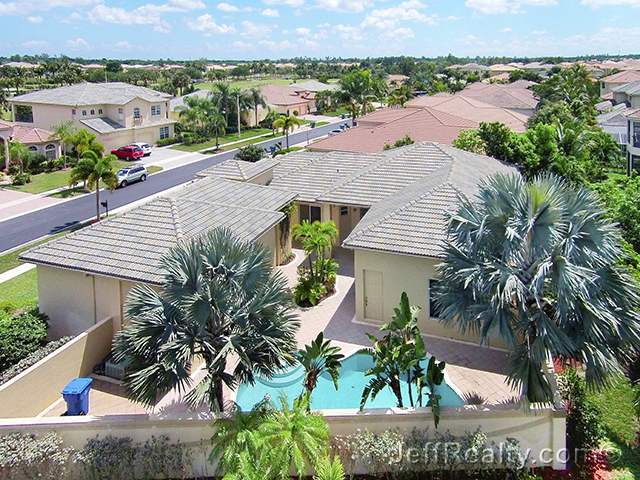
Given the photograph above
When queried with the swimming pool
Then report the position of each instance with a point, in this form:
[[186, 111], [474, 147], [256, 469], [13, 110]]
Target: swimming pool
[[351, 383]]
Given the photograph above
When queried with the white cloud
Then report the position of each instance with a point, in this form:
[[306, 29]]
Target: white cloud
[[270, 12], [271, 45], [344, 6], [124, 45], [347, 33], [505, 30], [538, 32], [207, 24], [471, 40], [412, 4], [302, 31], [23, 7], [290, 3], [37, 19], [226, 7], [396, 35], [390, 18], [506, 6], [243, 45], [78, 44], [256, 30], [35, 44], [297, 12], [610, 3]]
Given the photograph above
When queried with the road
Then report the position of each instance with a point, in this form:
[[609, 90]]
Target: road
[[58, 218]]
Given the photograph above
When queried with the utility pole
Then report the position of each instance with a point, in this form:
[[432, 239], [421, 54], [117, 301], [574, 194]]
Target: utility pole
[[238, 108]]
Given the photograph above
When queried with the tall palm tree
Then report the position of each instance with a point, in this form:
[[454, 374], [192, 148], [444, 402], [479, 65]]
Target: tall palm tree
[[287, 124], [535, 264], [63, 131], [19, 154], [92, 169], [319, 358], [222, 95], [295, 435], [218, 126], [360, 87], [257, 99], [220, 298], [84, 141]]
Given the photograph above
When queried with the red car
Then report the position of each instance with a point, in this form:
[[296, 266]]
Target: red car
[[130, 152]]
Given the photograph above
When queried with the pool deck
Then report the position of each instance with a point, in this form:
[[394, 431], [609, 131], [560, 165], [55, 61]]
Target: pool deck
[[471, 369]]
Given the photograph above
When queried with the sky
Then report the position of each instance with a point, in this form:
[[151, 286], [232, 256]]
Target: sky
[[261, 29]]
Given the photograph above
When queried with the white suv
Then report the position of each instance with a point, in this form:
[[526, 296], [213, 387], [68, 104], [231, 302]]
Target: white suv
[[146, 149], [127, 175]]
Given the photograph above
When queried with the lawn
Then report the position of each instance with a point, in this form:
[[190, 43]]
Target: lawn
[[43, 182], [21, 290], [319, 124], [245, 83], [337, 113], [616, 405], [228, 138]]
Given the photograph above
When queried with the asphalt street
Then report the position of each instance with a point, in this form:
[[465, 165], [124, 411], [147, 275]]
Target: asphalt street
[[58, 218]]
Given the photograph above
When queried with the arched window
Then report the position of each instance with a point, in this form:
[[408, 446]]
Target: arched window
[[33, 148], [99, 111], [50, 151], [93, 112], [136, 112], [84, 113]]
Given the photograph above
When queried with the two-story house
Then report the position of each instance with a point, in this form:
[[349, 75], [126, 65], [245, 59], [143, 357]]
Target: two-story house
[[633, 136], [118, 113]]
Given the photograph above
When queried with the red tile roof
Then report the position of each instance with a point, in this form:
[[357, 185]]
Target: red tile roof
[[420, 124], [26, 135], [285, 95]]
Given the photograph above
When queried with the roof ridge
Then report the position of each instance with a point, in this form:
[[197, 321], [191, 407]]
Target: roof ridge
[[219, 204], [175, 216]]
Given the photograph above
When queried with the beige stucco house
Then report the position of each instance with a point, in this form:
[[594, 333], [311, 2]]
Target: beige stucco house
[[118, 113], [36, 140], [85, 276]]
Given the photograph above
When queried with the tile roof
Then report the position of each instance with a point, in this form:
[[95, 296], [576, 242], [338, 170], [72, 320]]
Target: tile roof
[[412, 221], [314, 86], [115, 93], [473, 109], [239, 170], [284, 95], [504, 96], [421, 124], [616, 117], [626, 76], [631, 88], [130, 245], [26, 135], [102, 124]]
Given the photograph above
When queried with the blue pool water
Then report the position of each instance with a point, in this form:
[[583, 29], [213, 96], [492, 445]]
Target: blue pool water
[[351, 383]]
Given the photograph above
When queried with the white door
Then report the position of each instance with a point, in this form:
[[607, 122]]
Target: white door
[[373, 295]]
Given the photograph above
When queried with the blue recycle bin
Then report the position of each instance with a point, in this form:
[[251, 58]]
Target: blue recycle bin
[[343, 126], [343, 116], [313, 124], [76, 394]]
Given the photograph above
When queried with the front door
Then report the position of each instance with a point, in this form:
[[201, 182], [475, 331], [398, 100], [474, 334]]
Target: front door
[[373, 295]]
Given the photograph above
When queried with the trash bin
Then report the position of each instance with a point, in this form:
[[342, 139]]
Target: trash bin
[[272, 149], [343, 116], [342, 127], [76, 394], [313, 124]]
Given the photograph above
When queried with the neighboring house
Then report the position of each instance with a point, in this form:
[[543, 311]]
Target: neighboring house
[[607, 84], [35, 139], [628, 94], [315, 86], [633, 138], [472, 109], [176, 103], [287, 99], [514, 96], [386, 126], [396, 81], [118, 113], [390, 209], [85, 276], [472, 68], [615, 123]]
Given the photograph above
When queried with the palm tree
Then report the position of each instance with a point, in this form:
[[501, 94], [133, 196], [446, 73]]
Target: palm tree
[[19, 154], [316, 238], [360, 87], [221, 94], [319, 358], [242, 101], [257, 99], [287, 124], [296, 436], [92, 169], [84, 141], [220, 297], [63, 131], [535, 264], [327, 470], [218, 125]]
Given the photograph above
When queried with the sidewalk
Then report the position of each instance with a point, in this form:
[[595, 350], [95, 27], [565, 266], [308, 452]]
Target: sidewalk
[[14, 272]]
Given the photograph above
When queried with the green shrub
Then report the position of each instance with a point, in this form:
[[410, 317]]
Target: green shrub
[[250, 153], [24, 456], [585, 428], [169, 141], [20, 335], [32, 359], [308, 291], [21, 179]]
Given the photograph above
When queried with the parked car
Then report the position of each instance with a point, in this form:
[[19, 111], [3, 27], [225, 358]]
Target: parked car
[[334, 132], [129, 152], [134, 173], [146, 148]]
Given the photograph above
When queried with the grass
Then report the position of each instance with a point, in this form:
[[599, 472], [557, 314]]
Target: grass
[[43, 182], [319, 124], [616, 405], [228, 138], [22, 289], [245, 83], [10, 260], [337, 113]]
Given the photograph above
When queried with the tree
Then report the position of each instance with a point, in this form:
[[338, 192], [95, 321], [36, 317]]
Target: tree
[[233, 304], [319, 358], [93, 169], [360, 87], [222, 95], [218, 126], [287, 124], [316, 238], [84, 141], [181, 81], [470, 141], [19, 153], [534, 264], [257, 99], [249, 153], [63, 131]]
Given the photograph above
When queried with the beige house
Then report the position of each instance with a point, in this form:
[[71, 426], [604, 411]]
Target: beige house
[[607, 84], [36, 140], [118, 113], [85, 276]]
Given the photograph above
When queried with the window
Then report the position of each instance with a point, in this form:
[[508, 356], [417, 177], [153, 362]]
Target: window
[[93, 112], [434, 311], [310, 213], [73, 113], [24, 114], [50, 151], [33, 148], [636, 134], [316, 214], [363, 212], [84, 113], [99, 111], [344, 211], [156, 110], [164, 133], [120, 114], [136, 113]]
